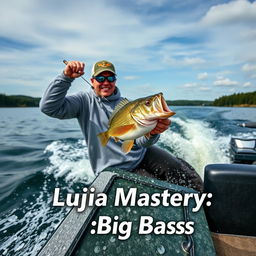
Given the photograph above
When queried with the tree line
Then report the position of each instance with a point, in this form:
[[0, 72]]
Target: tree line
[[18, 101], [237, 99]]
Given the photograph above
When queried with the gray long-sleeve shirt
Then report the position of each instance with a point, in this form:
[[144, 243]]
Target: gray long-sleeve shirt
[[92, 113]]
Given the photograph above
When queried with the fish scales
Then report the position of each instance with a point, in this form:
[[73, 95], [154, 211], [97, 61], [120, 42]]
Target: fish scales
[[131, 120]]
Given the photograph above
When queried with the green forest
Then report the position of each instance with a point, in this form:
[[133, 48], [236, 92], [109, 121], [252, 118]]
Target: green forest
[[238, 99], [18, 101]]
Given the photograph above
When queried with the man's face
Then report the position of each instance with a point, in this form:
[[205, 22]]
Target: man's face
[[105, 88]]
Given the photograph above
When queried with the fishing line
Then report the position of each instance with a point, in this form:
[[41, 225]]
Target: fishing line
[[66, 62], [100, 103]]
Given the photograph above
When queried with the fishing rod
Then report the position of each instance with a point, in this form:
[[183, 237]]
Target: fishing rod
[[66, 62]]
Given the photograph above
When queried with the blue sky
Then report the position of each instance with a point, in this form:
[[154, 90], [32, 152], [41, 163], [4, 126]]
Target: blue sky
[[186, 49]]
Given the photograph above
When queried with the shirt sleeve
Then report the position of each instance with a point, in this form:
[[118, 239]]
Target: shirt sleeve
[[147, 142], [56, 104]]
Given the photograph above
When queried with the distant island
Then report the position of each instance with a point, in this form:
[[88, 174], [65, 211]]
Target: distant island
[[234, 100], [18, 101]]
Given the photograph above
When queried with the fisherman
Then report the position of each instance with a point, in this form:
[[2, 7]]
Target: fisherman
[[93, 110]]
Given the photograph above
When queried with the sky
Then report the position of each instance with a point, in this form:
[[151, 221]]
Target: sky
[[191, 49]]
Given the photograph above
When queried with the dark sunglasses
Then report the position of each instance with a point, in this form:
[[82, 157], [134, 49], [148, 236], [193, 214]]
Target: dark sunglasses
[[101, 79]]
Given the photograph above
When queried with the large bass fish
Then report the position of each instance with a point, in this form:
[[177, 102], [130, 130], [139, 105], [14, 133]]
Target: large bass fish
[[133, 119]]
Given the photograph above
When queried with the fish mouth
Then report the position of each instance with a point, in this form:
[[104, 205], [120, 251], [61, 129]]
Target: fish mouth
[[161, 109], [152, 109]]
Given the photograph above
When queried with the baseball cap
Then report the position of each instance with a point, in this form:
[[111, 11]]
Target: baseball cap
[[101, 66]]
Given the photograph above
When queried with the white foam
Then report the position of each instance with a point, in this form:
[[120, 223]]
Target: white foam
[[37, 225], [70, 160], [197, 143], [248, 135]]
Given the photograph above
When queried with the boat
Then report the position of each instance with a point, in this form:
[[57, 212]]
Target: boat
[[226, 227]]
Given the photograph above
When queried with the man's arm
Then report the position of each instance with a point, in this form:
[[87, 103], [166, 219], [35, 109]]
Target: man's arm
[[54, 102]]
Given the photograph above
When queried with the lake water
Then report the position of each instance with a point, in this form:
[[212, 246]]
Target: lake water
[[38, 153]]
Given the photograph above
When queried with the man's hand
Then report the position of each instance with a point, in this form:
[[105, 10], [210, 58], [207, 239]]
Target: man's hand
[[74, 69], [162, 125]]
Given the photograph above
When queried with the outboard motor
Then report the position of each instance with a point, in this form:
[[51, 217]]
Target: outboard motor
[[243, 150]]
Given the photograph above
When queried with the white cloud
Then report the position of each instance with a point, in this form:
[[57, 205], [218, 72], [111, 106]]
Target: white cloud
[[204, 89], [74, 34], [248, 67], [187, 61], [247, 84], [197, 86], [202, 76], [239, 11], [193, 61], [137, 91], [151, 2], [224, 72], [230, 32], [224, 82], [131, 77], [190, 85], [220, 77]]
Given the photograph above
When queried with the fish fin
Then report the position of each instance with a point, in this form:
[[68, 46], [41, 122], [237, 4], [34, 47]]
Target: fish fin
[[147, 135], [122, 103], [104, 137], [118, 131], [127, 146], [116, 139]]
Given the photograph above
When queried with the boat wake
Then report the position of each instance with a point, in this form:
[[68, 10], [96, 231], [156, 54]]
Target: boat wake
[[69, 160], [196, 142], [32, 221]]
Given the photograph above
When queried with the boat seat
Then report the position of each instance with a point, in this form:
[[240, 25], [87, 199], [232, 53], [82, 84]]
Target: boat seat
[[233, 208]]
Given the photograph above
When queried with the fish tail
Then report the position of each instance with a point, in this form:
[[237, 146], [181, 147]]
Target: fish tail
[[104, 138]]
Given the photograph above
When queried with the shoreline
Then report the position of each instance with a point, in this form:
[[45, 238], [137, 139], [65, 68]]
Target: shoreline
[[234, 106], [21, 107]]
